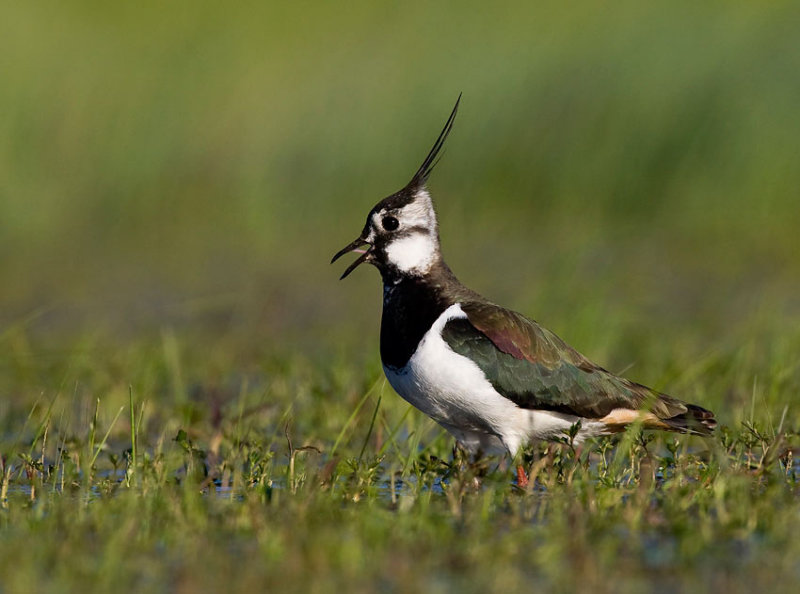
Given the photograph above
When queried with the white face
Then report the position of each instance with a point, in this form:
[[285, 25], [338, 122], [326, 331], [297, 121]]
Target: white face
[[413, 246]]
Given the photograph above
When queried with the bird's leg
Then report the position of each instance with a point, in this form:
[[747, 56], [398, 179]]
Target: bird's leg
[[522, 477], [518, 462], [461, 457], [467, 465]]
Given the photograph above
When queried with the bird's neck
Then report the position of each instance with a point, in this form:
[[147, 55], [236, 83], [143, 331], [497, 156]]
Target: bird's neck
[[410, 306]]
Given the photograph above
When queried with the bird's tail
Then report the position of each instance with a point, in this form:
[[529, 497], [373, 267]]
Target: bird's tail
[[696, 420]]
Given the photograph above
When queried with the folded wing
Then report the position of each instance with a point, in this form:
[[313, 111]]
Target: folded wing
[[535, 369]]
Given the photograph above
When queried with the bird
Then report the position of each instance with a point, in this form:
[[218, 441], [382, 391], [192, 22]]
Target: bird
[[493, 378]]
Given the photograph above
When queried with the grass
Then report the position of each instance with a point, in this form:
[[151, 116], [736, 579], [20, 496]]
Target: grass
[[189, 400], [319, 478]]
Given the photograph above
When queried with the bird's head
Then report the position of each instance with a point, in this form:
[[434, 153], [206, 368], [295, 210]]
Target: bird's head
[[401, 237]]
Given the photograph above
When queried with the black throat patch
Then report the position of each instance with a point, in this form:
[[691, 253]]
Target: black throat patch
[[411, 304], [410, 308]]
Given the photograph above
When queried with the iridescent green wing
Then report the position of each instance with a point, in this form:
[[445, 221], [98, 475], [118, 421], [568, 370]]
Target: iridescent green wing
[[535, 369]]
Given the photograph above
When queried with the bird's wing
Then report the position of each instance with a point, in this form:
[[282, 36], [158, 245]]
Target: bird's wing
[[535, 369]]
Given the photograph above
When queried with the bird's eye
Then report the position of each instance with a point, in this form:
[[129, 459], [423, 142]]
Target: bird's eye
[[390, 223]]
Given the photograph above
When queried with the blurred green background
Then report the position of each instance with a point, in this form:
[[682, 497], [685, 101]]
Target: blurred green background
[[626, 174]]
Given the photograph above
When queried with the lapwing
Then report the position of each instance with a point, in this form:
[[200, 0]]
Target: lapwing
[[493, 378]]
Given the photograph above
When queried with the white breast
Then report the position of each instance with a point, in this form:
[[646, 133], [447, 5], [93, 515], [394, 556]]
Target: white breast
[[452, 389]]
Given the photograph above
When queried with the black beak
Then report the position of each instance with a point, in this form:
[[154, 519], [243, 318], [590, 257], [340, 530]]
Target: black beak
[[352, 248]]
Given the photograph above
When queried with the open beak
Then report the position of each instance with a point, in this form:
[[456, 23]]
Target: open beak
[[353, 247]]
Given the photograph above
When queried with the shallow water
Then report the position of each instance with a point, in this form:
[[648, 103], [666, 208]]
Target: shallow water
[[390, 487]]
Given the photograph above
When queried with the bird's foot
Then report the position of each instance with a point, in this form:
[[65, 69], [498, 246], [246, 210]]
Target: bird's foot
[[522, 477]]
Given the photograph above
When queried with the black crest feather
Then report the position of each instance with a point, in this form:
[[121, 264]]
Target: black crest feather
[[424, 171]]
